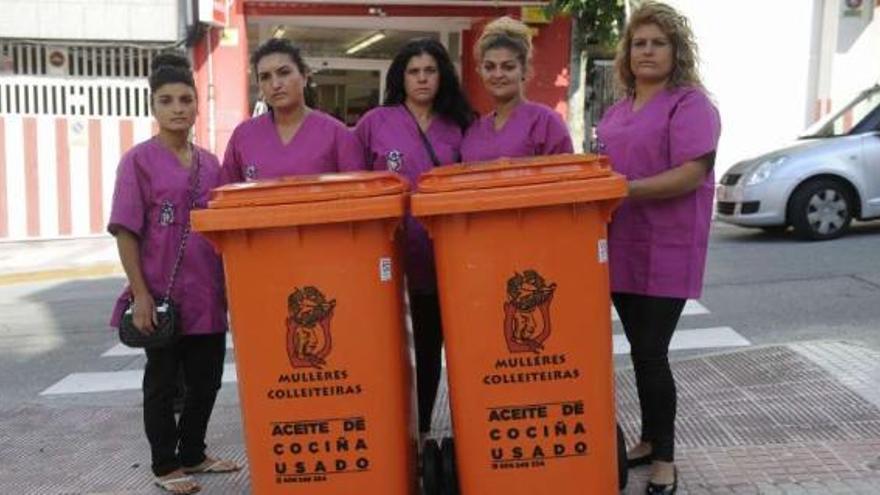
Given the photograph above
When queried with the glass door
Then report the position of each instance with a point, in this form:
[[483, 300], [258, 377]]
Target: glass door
[[347, 88]]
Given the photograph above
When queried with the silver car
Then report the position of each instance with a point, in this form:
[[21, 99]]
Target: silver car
[[816, 185]]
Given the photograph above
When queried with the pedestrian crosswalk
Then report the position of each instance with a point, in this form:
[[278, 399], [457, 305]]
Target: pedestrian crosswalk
[[691, 308], [689, 339], [119, 350], [111, 381], [701, 338], [685, 338]]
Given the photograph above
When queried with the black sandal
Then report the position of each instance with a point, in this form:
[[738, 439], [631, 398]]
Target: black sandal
[[658, 489]]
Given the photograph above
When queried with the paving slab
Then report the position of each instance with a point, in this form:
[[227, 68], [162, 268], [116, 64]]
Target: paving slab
[[787, 419]]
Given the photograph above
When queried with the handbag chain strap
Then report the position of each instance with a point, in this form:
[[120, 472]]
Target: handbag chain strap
[[425, 141], [194, 181]]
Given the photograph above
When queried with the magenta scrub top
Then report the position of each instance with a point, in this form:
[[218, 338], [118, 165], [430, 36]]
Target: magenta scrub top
[[658, 247], [321, 145], [151, 199], [391, 141], [531, 130]]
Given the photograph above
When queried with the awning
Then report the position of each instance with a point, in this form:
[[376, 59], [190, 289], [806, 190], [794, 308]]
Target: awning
[[402, 8], [420, 3]]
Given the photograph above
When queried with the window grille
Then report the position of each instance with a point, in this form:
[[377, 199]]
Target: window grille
[[81, 60], [31, 95]]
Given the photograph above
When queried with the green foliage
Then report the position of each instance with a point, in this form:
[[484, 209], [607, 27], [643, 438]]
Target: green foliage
[[599, 22]]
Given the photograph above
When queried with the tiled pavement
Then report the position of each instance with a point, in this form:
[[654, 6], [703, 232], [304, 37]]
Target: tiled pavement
[[775, 420], [788, 419]]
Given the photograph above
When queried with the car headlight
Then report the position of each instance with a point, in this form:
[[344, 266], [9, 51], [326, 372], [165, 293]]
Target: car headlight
[[764, 170]]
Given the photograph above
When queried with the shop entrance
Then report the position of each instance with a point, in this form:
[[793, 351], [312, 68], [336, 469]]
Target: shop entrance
[[349, 56], [348, 87]]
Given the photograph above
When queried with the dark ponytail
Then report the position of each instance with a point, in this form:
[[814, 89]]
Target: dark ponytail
[[168, 68], [286, 47]]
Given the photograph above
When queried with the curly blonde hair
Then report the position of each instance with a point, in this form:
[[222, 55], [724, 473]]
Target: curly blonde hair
[[677, 28], [506, 32]]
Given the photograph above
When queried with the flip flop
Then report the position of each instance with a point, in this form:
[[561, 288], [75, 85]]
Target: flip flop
[[213, 466], [171, 485]]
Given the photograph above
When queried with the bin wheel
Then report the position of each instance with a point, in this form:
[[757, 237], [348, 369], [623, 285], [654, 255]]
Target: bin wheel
[[449, 470], [622, 468], [431, 468]]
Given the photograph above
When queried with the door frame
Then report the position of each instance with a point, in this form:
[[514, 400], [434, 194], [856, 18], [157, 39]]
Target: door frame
[[341, 63]]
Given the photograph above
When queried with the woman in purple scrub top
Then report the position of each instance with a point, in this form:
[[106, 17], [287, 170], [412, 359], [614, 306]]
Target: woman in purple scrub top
[[151, 204], [420, 126], [516, 127], [291, 138], [662, 136]]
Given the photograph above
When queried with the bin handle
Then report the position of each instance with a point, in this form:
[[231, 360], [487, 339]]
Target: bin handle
[[391, 227], [485, 179], [507, 173], [607, 208]]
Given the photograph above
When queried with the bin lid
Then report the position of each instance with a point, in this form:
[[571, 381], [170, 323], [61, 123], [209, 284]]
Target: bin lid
[[516, 183], [308, 189], [506, 172], [303, 200]]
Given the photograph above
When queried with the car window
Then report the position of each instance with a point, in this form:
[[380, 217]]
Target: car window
[[849, 119], [870, 123]]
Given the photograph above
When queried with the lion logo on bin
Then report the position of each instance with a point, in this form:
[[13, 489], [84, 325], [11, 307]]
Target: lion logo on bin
[[308, 327], [527, 312]]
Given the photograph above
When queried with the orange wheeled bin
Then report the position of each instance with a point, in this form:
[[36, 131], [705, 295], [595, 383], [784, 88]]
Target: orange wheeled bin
[[314, 287], [522, 267]]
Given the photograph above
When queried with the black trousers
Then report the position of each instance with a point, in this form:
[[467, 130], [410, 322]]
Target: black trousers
[[181, 443], [428, 337], [649, 323]]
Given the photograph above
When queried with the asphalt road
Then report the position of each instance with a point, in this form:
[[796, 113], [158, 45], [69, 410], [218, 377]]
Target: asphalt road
[[777, 289], [768, 289]]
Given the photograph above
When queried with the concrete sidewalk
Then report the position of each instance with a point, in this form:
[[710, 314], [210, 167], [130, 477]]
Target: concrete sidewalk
[[34, 261], [787, 419]]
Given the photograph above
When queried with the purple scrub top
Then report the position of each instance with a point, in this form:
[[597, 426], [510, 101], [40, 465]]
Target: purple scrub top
[[658, 247], [531, 130], [321, 145], [391, 141], [151, 200]]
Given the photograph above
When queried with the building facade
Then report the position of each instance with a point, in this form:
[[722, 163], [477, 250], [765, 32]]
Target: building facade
[[73, 94], [774, 68], [349, 46], [73, 98]]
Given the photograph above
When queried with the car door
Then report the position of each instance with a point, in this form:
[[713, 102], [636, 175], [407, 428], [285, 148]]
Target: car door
[[866, 113], [871, 163]]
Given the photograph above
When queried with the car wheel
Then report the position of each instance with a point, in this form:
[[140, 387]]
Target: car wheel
[[821, 209]]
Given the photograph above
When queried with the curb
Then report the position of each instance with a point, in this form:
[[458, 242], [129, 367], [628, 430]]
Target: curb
[[98, 270]]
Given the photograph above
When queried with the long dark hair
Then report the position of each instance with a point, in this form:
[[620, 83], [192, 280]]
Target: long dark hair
[[450, 101]]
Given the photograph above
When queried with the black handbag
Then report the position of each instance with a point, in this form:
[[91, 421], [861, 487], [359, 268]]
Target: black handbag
[[165, 331], [167, 328]]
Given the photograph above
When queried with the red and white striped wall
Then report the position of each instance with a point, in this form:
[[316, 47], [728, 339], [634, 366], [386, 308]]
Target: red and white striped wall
[[57, 172]]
